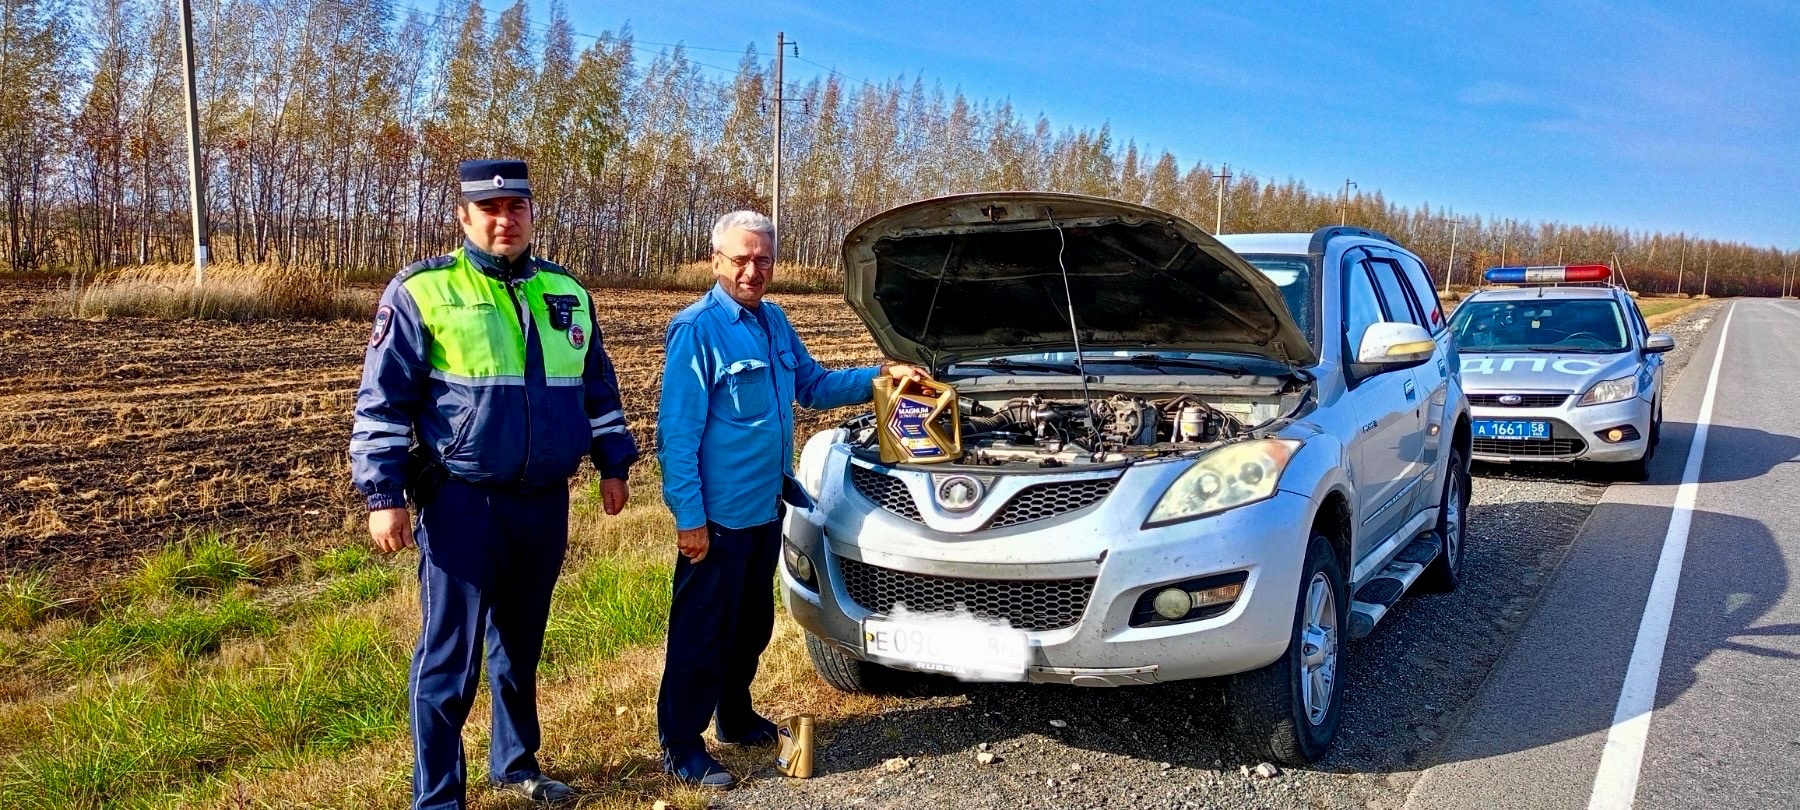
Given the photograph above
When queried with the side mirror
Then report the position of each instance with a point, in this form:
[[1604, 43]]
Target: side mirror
[[1395, 345], [1658, 343]]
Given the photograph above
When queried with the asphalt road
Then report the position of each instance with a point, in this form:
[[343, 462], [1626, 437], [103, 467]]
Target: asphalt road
[[1630, 688]]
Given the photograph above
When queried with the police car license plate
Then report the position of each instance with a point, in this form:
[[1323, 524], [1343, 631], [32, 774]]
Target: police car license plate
[[963, 646], [1511, 429]]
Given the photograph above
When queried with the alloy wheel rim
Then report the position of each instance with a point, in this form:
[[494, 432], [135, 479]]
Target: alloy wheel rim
[[1319, 649], [1453, 524]]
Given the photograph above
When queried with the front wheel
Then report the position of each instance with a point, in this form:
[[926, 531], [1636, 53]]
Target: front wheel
[[1639, 469], [1446, 572], [849, 674], [1289, 711]]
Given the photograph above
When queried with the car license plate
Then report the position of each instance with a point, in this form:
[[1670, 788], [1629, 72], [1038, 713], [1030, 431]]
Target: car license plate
[[958, 645], [1511, 429]]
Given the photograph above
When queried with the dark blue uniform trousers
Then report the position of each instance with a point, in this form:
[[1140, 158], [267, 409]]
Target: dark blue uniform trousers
[[720, 621], [489, 560]]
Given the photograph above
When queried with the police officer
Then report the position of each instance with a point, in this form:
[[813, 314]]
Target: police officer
[[725, 437], [487, 364]]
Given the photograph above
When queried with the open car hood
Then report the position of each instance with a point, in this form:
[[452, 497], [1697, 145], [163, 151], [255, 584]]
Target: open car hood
[[977, 275]]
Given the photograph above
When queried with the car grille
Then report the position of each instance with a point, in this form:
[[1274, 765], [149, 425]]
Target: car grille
[[1028, 604], [886, 491], [1041, 501], [1529, 448], [1036, 502], [1525, 400]]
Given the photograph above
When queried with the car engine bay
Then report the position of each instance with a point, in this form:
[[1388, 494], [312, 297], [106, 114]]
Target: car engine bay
[[1048, 429]]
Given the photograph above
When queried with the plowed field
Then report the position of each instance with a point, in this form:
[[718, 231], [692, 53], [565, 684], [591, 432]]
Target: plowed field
[[120, 435]]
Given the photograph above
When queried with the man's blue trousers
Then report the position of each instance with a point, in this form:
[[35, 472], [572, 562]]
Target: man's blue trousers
[[489, 560], [720, 619]]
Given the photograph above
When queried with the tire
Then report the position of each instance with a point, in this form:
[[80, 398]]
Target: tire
[[1446, 572], [848, 674], [1278, 718], [1639, 469]]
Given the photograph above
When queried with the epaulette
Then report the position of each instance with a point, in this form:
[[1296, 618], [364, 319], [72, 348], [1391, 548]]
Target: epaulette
[[546, 264], [433, 263]]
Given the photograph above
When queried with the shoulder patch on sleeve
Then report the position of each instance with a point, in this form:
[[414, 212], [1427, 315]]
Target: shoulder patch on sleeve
[[433, 263], [384, 320]]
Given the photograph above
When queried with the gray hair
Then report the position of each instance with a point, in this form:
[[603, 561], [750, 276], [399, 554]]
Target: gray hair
[[748, 220]]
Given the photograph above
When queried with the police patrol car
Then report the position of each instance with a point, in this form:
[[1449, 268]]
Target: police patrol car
[[1561, 374]]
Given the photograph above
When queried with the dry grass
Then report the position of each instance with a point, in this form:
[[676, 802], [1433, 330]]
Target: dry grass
[[231, 292], [1658, 311]]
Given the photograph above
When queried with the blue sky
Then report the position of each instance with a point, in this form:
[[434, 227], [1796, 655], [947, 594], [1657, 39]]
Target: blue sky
[[1671, 117]]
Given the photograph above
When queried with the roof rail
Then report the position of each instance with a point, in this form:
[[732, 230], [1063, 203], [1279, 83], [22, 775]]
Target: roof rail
[[1325, 234]]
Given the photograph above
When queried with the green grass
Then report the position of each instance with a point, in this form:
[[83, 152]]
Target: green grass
[[362, 585], [342, 682], [25, 599], [345, 559], [139, 633], [604, 608], [206, 564], [133, 707]]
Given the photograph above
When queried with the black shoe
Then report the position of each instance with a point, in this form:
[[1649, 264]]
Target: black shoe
[[758, 732], [699, 769], [539, 788]]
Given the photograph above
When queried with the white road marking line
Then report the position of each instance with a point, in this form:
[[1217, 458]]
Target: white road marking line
[[1615, 785]]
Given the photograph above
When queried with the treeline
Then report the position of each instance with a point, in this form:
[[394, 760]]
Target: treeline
[[331, 129]]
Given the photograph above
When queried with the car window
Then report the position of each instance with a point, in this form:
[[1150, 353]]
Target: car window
[[1361, 308], [1293, 276], [1423, 293], [1637, 320], [1540, 324], [1396, 300]]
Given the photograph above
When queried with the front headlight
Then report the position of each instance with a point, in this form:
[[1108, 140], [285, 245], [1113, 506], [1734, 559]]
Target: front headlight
[[813, 455], [1605, 391], [1226, 478]]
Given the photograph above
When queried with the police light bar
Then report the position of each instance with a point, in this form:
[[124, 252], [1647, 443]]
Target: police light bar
[[1548, 274]]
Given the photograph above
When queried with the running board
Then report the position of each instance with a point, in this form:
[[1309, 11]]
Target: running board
[[1375, 597]]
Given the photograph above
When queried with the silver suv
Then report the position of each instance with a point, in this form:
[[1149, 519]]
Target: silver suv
[[1259, 446]]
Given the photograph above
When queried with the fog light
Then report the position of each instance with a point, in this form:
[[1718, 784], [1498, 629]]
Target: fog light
[[1173, 603], [799, 565], [1615, 435]]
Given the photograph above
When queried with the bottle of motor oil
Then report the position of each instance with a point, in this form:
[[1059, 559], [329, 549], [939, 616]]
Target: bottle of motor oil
[[795, 759], [917, 421]]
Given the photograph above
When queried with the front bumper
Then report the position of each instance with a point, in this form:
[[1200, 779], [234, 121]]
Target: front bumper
[[1265, 542], [1576, 433]]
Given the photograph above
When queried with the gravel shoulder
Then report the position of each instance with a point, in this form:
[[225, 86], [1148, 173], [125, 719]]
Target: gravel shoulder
[[1169, 746]]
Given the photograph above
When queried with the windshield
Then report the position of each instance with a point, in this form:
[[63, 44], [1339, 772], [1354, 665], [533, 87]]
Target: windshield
[[1294, 275], [1565, 325]]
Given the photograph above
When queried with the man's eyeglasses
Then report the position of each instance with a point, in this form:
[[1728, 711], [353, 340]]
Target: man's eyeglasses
[[740, 262]]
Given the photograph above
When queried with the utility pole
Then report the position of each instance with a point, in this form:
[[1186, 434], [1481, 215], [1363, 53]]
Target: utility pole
[[1454, 224], [781, 45], [1503, 238], [1219, 212], [1706, 271], [196, 189], [1343, 207], [1681, 268]]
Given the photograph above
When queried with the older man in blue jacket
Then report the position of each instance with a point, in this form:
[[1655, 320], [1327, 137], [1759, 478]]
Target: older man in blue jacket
[[725, 437]]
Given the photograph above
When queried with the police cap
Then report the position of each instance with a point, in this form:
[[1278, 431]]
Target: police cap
[[487, 179]]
